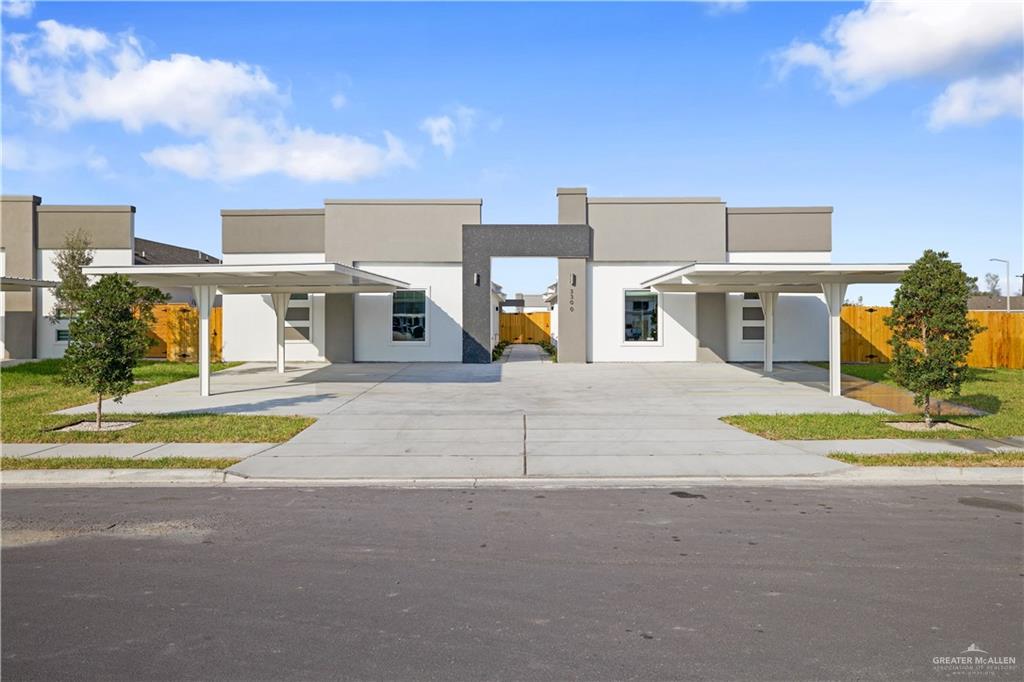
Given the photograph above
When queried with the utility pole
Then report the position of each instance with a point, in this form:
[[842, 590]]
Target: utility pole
[[1006, 286]]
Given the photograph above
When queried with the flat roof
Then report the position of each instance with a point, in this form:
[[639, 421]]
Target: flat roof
[[313, 278], [782, 277], [413, 202]]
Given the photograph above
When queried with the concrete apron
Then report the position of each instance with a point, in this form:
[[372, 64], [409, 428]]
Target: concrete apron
[[514, 419], [580, 423]]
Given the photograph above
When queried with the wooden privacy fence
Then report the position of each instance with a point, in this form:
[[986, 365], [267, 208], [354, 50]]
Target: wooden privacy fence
[[175, 334], [525, 327], [865, 337]]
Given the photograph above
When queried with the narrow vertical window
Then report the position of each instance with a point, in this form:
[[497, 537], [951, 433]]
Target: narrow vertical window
[[298, 319], [641, 320], [409, 316], [752, 327]]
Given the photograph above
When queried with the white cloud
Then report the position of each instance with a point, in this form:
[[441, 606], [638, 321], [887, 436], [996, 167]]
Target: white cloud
[[338, 101], [297, 152], [446, 129], [441, 130], [18, 9], [973, 101], [230, 113], [61, 40], [717, 7], [866, 49]]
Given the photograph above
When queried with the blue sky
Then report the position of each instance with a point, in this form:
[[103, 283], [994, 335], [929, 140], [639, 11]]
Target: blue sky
[[184, 109]]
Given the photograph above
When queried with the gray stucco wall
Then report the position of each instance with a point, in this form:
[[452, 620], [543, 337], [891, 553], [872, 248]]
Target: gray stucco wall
[[273, 231], [682, 229], [572, 205], [339, 344], [780, 229], [398, 231], [572, 310], [18, 237], [480, 243], [108, 227], [711, 328]]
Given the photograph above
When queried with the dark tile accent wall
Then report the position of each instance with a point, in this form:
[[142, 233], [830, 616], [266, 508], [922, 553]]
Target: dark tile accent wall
[[480, 243]]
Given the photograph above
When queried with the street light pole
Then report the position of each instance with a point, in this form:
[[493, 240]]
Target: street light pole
[[1007, 280]]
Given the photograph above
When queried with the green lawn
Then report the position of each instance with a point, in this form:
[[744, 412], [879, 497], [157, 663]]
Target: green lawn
[[22, 463], [30, 392], [1000, 392], [935, 459]]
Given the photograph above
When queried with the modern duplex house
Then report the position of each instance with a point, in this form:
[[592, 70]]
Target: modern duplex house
[[672, 279], [32, 232]]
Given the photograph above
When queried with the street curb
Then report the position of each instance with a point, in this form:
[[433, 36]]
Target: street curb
[[861, 476], [85, 477]]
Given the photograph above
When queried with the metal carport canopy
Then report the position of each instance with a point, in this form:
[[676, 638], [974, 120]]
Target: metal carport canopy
[[280, 280], [771, 279], [22, 284]]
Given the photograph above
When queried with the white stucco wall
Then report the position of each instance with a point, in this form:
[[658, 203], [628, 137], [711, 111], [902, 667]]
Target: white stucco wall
[[554, 324], [250, 325], [495, 320], [677, 316], [372, 315], [780, 257], [801, 329], [47, 345]]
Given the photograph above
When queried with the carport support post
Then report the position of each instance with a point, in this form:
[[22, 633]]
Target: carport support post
[[204, 294], [281, 309], [834, 294], [768, 300]]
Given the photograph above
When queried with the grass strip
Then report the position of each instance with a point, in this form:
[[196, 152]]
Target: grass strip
[[935, 459], [22, 463], [30, 392], [1000, 392]]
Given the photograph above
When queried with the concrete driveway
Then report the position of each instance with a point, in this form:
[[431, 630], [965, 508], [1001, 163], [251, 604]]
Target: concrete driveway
[[509, 419]]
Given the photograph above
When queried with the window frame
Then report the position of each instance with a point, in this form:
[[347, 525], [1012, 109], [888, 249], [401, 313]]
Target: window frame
[[302, 324], [56, 335], [622, 320], [746, 301], [425, 341]]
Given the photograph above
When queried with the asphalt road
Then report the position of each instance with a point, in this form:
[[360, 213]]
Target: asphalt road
[[758, 583]]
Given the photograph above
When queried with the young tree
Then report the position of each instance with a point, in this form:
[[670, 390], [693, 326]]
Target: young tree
[[109, 334], [931, 333], [76, 254]]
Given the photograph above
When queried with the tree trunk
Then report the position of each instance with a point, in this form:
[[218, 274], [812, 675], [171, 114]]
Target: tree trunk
[[928, 411], [99, 411]]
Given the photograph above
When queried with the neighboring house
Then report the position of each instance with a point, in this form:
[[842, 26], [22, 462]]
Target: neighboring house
[[149, 252], [997, 303], [32, 232]]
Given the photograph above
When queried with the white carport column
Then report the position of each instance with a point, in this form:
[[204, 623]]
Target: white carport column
[[768, 300], [280, 302], [835, 292], [204, 299]]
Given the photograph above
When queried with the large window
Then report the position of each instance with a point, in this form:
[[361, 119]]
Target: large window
[[409, 316], [641, 321]]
